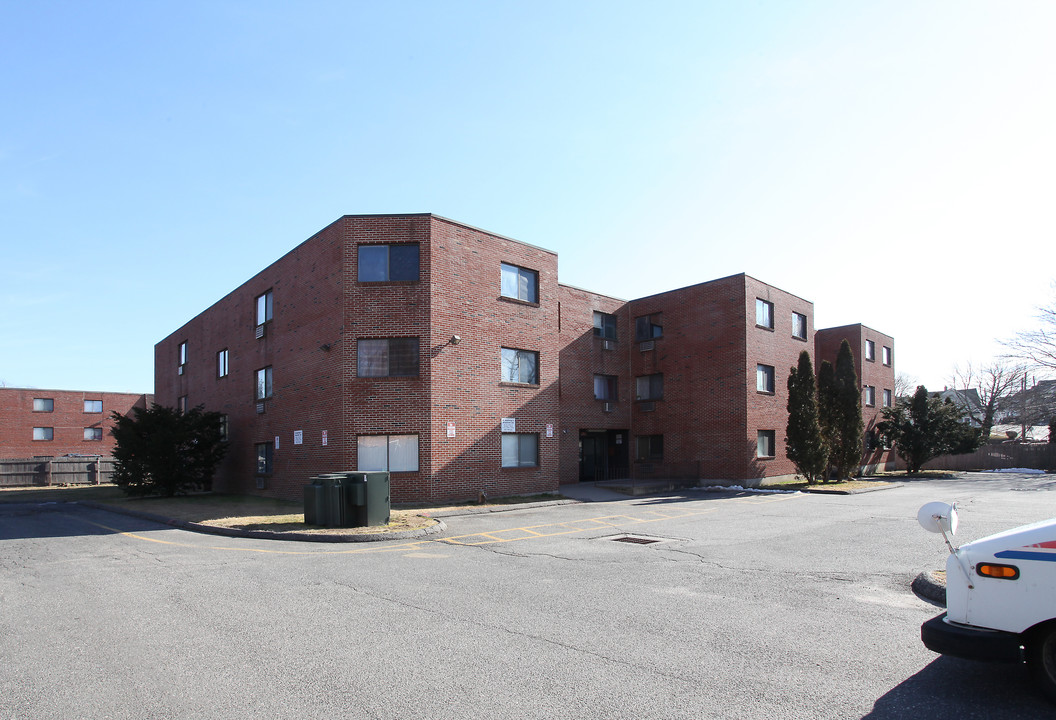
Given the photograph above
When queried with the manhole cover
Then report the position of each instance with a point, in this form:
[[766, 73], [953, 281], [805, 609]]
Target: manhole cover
[[635, 539]]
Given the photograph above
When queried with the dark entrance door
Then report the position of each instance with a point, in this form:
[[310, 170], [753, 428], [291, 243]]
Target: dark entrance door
[[602, 455]]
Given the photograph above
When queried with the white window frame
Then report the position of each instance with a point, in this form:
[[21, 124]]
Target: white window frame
[[265, 305], [870, 396], [887, 355], [764, 314], [765, 379], [222, 367], [387, 453], [44, 405], [518, 450], [90, 405], [93, 434], [43, 434], [647, 384], [518, 283], [766, 444], [798, 320], [870, 351], [265, 388], [516, 364]]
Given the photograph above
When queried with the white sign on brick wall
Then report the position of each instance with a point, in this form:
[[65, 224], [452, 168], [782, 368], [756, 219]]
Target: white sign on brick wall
[[509, 425]]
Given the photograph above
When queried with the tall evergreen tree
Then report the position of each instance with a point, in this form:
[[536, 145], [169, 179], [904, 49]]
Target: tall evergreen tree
[[845, 451], [804, 444]]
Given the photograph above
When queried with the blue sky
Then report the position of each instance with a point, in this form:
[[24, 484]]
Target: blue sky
[[892, 162]]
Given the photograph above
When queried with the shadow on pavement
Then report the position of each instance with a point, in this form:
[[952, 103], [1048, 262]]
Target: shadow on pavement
[[954, 688], [55, 520]]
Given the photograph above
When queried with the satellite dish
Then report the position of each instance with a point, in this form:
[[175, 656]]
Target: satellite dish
[[938, 517]]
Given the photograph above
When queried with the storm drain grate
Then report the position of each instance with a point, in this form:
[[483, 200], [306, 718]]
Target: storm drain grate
[[635, 540]]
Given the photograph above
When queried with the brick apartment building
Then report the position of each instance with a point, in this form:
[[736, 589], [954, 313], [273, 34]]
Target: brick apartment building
[[454, 359], [35, 423], [874, 360]]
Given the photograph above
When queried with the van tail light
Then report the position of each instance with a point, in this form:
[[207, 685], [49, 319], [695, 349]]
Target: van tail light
[[1001, 572]]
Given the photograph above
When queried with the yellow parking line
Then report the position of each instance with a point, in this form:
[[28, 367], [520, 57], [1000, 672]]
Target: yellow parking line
[[530, 532]]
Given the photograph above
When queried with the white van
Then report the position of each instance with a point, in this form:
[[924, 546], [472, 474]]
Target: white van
[[1000, 596]]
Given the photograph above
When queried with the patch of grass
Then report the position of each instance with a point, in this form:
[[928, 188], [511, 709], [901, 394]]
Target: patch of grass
[[841, 485]]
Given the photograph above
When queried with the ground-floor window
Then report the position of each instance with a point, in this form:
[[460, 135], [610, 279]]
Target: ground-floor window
[[520, 450], [765, 445], [390, 453], [649, 448], [265, 457]]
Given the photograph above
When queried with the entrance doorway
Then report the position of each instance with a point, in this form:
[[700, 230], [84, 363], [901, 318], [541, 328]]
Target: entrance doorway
[[603, 455]]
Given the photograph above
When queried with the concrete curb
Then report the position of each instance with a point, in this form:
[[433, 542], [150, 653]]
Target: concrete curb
[[480, 510], [931, 586], [268, 534]]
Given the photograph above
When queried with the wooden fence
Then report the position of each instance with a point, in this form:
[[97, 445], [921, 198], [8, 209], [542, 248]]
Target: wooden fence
[[66, 470], [1036, 456]]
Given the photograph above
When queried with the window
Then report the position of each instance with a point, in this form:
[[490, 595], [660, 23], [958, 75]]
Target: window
[[605, 325], [43, 405], [265, 457], [870, 351], [387, 357], [93, 433], [648, 327], [264, 383], [887, 356], [887, 398], [649, 448], [605, 387], [520, 450], [764, 378], [870, 396], [388, 263], [182, 355], [520, 366], [765, 445], [649, 387], [93, 406], [181, 403], [223, 427], [221, 363], [519, 283], [389, 453], [264, 308], [764, 313], [799, 326], [43, 433]]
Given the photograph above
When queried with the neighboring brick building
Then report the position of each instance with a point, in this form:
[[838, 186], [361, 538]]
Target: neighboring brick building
[[453, 358], [35, 423], [874, 361]]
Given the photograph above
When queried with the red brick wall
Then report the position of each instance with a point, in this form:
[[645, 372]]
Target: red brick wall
[[319, 301], [873, 373], [307, 380], [780, 349], [466, 301], [68, 420], [583, 354]]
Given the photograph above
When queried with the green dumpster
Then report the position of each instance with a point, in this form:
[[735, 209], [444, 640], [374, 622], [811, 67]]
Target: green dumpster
[[315, 512], [375, 503]]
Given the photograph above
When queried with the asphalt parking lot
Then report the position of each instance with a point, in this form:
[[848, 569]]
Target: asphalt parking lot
[[723, 605]]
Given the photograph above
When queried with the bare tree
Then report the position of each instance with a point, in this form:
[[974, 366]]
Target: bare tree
[[1037, 347], [993, 382], [905, 385]]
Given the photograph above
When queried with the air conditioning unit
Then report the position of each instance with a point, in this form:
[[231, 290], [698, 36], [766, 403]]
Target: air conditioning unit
[[260, 483], [260, 331], [647, 406], [260, 408], [609, 407], [179, 370], [608, 345], [647, 345]]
